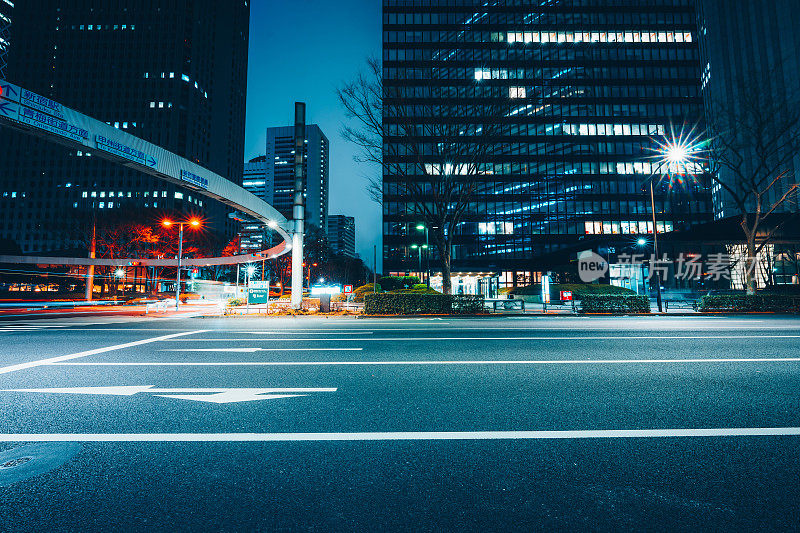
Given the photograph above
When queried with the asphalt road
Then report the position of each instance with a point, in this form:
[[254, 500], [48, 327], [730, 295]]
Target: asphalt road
[[524, 423]]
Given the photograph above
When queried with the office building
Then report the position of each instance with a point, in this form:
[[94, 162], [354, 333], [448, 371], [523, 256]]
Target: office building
[[254, 235], [174, 74], [745, 45], [342, 234], [751, 71], [280, 173], [574, 91]]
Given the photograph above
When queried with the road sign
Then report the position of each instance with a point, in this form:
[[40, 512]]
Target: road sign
[[566, 296], [222, 395], [348, 289], [258, 292], [124, 151]]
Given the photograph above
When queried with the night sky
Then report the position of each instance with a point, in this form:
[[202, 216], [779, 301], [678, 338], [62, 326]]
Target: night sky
[[302, 50]]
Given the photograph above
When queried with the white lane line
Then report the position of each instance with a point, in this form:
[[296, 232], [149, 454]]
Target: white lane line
[[401, 435], [50, 360], [490, 362], [251, 350], [359, 332], [526, 338]]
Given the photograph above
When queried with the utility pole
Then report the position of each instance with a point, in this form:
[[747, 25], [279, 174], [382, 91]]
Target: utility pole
[[298, 209], [655, 249], [374, 268]]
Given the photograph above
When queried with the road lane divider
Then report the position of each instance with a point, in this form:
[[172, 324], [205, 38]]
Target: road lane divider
[[404, 435], [50, 360], [251, 350], [423, 363], [525, 338]]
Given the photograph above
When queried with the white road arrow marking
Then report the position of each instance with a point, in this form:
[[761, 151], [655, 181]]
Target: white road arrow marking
[[223, 395]]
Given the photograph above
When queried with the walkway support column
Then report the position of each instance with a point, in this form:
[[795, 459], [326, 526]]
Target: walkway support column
[[298, 209]]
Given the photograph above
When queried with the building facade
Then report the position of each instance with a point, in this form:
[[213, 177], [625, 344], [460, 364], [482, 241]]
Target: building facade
[[280, 173], [255, 236], [744, 46], [342, 234], [172, 73], [751, 70], [575, 92]]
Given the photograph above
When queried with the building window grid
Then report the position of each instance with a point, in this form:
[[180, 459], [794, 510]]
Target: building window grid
[[585, 205]]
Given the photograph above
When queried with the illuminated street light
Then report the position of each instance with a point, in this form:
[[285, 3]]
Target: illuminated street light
[[167, 223], [423, 227], [250, 269], [120, 272], [641, 241]]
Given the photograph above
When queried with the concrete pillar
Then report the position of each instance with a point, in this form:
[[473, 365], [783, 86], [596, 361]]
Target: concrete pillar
[[298, 209]]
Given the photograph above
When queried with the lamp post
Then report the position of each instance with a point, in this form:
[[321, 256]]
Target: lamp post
[[195, 223], [120, 273], [655, 248], [419, 248], [427, 256]]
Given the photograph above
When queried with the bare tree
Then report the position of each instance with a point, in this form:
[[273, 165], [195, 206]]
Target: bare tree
[[754, 139], [431, 151]]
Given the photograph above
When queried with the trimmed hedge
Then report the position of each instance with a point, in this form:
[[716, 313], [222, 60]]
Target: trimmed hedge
[[420, 303], [393, 283], [744, 303], [579, 290], [614, 303]]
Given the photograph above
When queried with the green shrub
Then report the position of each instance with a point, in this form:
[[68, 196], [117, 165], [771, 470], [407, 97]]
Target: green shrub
[[423, 290], [234, 302], [420, 287], [579, 290], [744, 303], [421, 303], [360, 292], [393, 283], [614, 303]]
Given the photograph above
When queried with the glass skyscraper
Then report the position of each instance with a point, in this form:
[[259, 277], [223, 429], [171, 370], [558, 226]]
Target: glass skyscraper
[[576, 90], [172, 73]]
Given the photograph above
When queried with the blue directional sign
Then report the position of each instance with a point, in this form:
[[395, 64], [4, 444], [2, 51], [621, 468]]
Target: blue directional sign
[[34, 118], [194, 179], [9, 91], [41, 103], [9, 109], [131, 154]]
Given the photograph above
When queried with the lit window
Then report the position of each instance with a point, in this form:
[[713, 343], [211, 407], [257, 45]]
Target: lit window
[[185, 77], [516, 92], [179, 196], [152, 104], [171, 75]]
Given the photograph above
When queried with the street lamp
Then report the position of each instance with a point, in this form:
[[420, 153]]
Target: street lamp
[[421, 227], [419, 248], [167, 223], [120, 273]]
